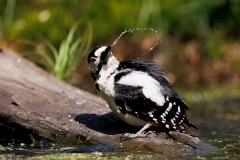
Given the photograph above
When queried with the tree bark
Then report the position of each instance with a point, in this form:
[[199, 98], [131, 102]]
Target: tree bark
[[35, 100]]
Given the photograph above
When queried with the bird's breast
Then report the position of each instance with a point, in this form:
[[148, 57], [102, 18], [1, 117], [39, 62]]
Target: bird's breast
[[106, 84]]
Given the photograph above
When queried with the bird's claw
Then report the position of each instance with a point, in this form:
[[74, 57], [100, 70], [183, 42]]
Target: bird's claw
[[127, 136], [152, 134]]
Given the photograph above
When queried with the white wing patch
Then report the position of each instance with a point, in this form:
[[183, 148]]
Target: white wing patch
[[151, 87]]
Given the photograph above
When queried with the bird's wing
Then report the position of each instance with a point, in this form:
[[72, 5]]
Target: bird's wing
[[131, 100], [155, 75], [141, 97]]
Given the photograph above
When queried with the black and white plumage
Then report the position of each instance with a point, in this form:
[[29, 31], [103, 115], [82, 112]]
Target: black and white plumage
[[138, 93]]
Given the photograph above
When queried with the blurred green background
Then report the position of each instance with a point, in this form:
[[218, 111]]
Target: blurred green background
[[198, 40], [198, 46]]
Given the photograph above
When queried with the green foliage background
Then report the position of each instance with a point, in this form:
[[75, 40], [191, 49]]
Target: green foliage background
[[211, 30], [199, 47]]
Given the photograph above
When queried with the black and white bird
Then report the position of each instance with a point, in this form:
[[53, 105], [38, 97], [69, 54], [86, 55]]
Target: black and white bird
[[137, 92]]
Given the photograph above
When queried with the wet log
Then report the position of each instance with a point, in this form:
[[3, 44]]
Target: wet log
[[57, 111]]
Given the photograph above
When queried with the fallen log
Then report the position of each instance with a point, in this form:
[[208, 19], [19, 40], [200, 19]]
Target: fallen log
[[35, 100]]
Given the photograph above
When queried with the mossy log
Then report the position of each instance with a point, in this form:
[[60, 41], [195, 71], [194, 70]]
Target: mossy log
[[57, 111]]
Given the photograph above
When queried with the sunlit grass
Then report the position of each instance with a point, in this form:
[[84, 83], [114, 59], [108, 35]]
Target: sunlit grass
[[70, 52], [61, 62], [8, 17]]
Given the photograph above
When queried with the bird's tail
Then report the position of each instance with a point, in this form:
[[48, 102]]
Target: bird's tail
[[191, 129]]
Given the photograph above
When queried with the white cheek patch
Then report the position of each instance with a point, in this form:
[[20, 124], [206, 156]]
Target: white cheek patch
[[151, 87], [99, 51]]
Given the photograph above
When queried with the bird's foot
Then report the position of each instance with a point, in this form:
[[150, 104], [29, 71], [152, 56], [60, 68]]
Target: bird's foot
[[136, 135], [148, 134], [152, 134]]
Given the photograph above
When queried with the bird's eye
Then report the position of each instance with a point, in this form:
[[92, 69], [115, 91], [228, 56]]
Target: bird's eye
[[93, 59]]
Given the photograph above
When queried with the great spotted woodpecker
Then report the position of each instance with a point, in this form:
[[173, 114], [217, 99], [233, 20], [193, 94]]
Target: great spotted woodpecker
[[137, 92]]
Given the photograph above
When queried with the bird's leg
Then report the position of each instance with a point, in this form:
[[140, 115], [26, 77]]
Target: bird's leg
[[151, 133], [139, 134]]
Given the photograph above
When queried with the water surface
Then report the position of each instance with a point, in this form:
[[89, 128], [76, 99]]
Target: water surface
[[219, 126]]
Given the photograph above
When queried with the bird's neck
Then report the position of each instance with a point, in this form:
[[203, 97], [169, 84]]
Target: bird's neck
[[105, 75], [110, 67]]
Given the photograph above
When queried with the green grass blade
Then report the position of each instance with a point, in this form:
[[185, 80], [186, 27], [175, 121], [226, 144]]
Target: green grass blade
[[75, 45], [61, 61], [28, 42], [52, 48], [45, 57], [90, 35], [72, 31], [70, 52], [74, 51], [8, 17], [86, 42]]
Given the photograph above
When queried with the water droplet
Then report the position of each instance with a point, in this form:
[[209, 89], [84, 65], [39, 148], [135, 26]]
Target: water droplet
[[131, 31], [157, 40], [74, 68]]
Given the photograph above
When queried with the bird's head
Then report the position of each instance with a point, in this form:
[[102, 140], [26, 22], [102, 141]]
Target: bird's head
[[99, 57]]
